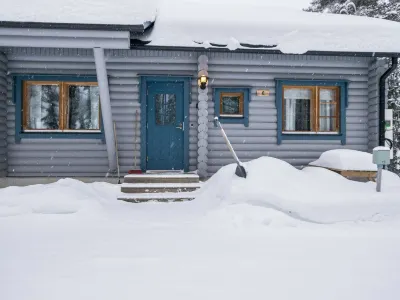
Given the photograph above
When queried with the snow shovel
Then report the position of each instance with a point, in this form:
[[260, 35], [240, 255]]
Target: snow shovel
[[240, 170], [135, 170]]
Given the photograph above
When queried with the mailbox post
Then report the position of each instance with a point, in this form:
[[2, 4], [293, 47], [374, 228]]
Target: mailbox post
[[380, 157]]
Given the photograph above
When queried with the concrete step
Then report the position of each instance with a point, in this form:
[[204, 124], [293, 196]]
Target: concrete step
[[162, 178], [159, 187], [159, 197]]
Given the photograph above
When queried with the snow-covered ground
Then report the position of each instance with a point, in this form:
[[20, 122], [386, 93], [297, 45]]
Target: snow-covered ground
[[281, 233]]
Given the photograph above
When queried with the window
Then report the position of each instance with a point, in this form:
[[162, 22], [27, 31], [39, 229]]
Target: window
[[57, 106], [311, 110], [231, 105], [165, 109], [61, 106]]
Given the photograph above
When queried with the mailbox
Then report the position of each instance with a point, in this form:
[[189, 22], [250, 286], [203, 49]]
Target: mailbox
[[381, 156]]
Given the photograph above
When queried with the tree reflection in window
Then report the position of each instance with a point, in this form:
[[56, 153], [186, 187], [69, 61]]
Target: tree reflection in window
[[84, 107], [165, 109], [231, 105]]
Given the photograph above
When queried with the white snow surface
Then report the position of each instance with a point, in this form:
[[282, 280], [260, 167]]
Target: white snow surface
[[282, 233], [117, 12], [231, 24], [346, 159]]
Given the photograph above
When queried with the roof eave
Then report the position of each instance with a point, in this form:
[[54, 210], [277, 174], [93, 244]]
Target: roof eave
[[136, 29], [134, 45]]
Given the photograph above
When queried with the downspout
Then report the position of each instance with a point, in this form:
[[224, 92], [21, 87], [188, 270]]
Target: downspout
[[382, 98], [102, 80]]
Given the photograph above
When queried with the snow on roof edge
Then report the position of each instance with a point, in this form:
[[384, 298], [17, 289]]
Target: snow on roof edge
[[240, 27]]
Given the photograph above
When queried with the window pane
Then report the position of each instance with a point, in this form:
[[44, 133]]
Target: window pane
[[327, 124], [84, 107], [230, 105], [327, 110], [43, 105], [297, 109], [165, 109]]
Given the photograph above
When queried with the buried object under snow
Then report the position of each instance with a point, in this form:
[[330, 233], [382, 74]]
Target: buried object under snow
[[313, 195]]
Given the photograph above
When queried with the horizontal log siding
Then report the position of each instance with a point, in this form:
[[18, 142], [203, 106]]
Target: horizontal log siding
[[58, 157], [65, 157], [123, 67], [260, 138], [52, 157], [3, 115]]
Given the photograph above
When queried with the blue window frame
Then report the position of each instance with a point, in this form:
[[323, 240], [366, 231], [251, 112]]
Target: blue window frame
[[311, 110], [231, 105], [75, 129]]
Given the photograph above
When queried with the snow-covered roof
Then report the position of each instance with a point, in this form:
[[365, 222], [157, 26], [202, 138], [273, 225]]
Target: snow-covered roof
[[94, 12], [243, 24], [231, 24]]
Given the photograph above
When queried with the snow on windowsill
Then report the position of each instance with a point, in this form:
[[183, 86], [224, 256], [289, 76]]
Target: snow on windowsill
[[310, 133], [62, 131], [231, 116]]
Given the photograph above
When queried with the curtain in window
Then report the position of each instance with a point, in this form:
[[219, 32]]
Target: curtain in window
[[297, 109], [327, 100]]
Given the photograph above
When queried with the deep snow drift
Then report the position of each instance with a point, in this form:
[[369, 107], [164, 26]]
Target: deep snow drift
[[281, 233], [313, 194]]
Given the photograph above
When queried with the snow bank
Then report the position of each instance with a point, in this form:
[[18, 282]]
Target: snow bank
[[311, 195], [261, 24], [66, 196], [273, 194], [345, 159]]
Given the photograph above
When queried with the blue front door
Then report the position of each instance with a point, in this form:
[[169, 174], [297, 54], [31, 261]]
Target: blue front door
[[165, 126]]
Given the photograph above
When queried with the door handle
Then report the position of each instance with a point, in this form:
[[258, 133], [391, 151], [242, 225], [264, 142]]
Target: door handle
[[180, 126]]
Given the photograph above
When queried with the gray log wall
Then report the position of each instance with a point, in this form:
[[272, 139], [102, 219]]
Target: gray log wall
[[80, 158], [260, 138], [66, 157], [3, 115]]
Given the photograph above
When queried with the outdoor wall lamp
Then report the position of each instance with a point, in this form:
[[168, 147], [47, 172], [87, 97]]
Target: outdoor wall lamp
[[202, 79]]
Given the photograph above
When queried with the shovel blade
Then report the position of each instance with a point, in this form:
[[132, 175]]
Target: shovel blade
[[241, 172]]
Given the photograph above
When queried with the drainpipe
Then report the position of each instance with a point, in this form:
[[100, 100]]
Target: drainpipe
[[102, 80], [382, 102]]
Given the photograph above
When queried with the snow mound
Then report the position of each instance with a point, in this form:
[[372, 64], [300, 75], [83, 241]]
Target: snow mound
[[66, 196], [345, 159], [311, 195]]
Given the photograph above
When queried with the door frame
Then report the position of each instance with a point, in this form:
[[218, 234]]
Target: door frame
[[143, 85]]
